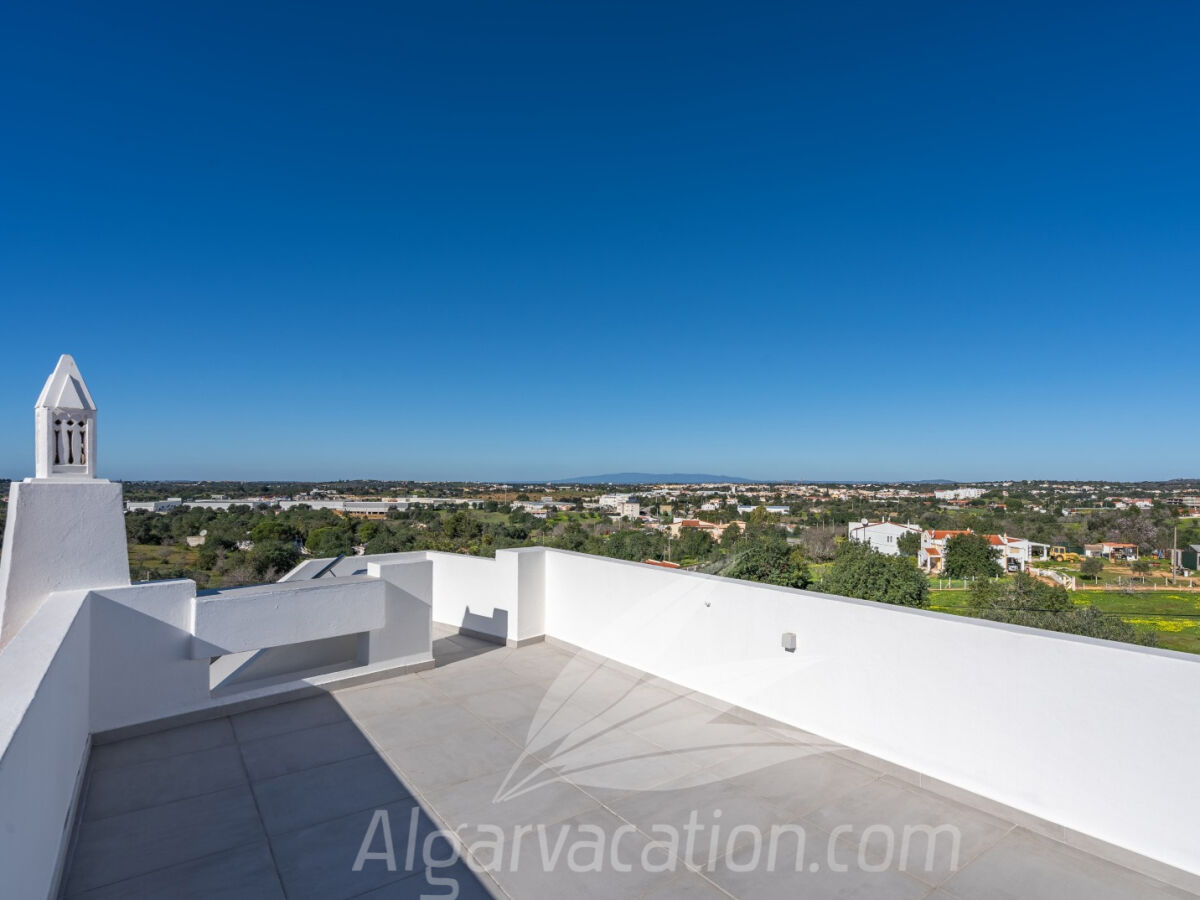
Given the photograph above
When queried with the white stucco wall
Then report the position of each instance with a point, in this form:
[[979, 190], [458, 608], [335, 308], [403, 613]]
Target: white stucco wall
[[59, 536], [500, 597], [272, 615], [141, 663], [1047, 723], [43, 742]]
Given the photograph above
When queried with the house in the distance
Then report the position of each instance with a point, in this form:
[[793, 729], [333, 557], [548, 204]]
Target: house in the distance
[[932, 555], [962, 493], [1014, 554], [1114, 550], [881, 536]]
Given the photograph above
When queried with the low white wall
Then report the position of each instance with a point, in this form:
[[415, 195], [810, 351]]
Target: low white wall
[[1097, 736], [408, 610], [472, 592], [60, 536], [142, 666], [274, 615], [43, 741], [501, 597]]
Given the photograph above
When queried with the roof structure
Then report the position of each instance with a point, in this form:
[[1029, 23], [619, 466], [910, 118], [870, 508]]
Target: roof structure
[[65, 388]]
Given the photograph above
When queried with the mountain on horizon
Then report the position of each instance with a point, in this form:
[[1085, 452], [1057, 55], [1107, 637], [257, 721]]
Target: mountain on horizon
[[651, 478]]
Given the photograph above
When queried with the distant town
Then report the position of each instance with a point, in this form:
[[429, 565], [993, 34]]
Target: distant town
[[1117, 560]]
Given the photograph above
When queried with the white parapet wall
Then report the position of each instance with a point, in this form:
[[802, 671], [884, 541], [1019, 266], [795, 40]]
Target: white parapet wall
[[275, 615], [1097, 736], [129, 656], [44, 741], [59, 536], [501, 599]]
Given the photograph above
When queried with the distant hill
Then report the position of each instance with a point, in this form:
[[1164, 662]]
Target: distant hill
[[651, 478]]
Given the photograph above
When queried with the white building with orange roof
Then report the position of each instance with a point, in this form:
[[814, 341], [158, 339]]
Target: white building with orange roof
[[1014, 554], [932, 555]]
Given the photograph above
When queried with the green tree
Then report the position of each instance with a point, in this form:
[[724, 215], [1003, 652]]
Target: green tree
[[1091, 567], [1140, 566], [731, 535], [330, 540], [771, 563], [1027, 601], [861, 571], [274, 529], [971, 556], [694, 544], [275, 557], [909, 544]]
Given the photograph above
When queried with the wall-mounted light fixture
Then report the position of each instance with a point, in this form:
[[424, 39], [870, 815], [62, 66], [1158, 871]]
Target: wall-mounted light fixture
[[789, 641]]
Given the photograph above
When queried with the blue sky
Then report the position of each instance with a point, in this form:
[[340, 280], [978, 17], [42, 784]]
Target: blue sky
[[477, 241]]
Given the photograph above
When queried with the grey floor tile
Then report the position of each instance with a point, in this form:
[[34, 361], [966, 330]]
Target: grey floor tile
[[575, 859], [708, 738], [541, 668], [447, 760], [934, 836], [317, 863], [282, 718], [161, 744], [327, 792], [457, 880], [293, 751], [759, 882], [614, 760], [469, 642], [387, 698], [457, 683], [417, 726], [800, 783], [496, 799], [244, 873], [716, 807], [514, 702], [550, 727], [140, 842], [685, 886], [122, 789], [1025, 866]]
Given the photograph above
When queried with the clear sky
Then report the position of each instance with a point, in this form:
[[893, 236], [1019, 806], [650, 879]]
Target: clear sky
[[825, 240]]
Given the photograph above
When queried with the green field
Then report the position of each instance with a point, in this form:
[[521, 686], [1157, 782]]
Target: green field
[[1172, 616], [148, 562]]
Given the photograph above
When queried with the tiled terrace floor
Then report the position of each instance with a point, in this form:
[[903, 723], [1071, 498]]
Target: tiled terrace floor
[[276, 802]]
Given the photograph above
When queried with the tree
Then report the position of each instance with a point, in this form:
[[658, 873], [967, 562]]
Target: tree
[[329, 541], [1091, 567], [1033, 603], [970, 556], [1141, 566], [771, 563], [273, 556], [861, 571], [694, 544], [909, 544], [731, 535], [820, 542], [273, 529]]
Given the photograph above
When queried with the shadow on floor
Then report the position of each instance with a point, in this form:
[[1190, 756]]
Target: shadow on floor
[[285, 801]]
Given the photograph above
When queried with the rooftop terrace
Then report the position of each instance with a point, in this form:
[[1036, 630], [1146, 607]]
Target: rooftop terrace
[[551, 724], [277, 802]]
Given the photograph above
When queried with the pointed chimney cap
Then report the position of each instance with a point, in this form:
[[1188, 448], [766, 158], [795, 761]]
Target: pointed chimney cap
[[65, 388]]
